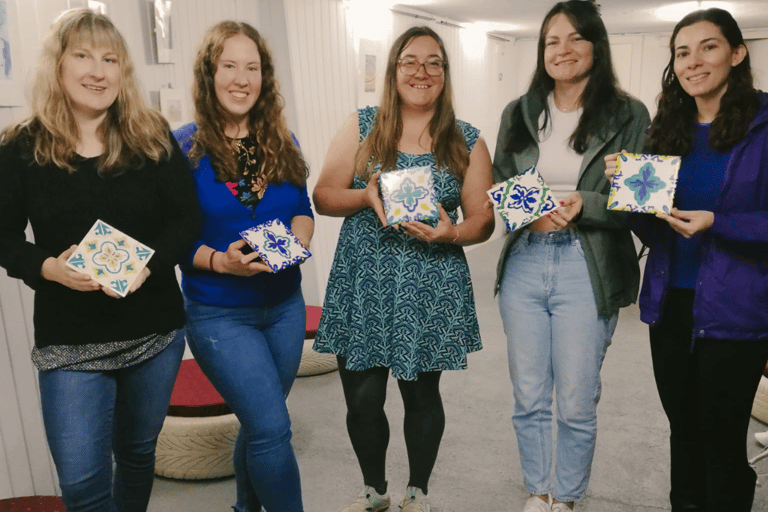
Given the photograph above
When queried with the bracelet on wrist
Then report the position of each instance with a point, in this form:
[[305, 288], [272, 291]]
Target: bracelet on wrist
[[210, 260], [457, 234]]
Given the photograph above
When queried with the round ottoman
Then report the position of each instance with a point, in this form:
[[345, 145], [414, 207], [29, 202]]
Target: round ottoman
[[33, 504], [198, 437], [314, 363], [760, 405]]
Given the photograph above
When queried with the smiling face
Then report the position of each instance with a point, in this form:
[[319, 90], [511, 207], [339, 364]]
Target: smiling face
[[703, 60], [567, 55], [238, 80], [90, 78], [421, 90]]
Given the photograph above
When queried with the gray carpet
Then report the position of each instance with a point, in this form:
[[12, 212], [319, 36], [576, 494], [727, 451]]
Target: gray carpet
[[478, 466]]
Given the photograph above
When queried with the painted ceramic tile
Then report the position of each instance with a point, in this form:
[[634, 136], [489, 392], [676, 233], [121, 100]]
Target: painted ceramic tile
[[276, 244], [522, 199], [408, 194], [644, 183], [112, 258]]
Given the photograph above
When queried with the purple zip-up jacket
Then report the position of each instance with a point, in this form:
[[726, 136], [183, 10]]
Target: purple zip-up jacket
[[731, 296]]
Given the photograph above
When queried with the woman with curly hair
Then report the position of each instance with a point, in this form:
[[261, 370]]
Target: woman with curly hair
[[93, 150], [400, 300], [246, 325], [562, 280], [705, 287]]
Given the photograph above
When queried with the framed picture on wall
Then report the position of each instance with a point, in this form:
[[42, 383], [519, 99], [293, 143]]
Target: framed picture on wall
[[11, 79], [172, 106], [163, 28]]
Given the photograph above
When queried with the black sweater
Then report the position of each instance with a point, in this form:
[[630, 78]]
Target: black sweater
[[155, 204]]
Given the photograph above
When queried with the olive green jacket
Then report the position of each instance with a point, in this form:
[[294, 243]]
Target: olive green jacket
[[604, 235]]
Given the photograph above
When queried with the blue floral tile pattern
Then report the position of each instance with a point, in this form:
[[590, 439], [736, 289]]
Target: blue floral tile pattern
[[112, 258], [644, 183], [276, 245], [408, 194], [522, 199]]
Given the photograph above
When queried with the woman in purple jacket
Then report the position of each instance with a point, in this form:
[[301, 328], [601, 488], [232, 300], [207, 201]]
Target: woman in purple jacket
[[705, 290]]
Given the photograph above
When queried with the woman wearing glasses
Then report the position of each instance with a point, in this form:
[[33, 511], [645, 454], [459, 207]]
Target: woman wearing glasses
[[401, 300]]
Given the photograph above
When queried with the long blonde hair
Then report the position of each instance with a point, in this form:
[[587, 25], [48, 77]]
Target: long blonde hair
[[131, 131], [278, 155], [448, 144]]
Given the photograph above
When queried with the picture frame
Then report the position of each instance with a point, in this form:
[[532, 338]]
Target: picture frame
[[11, 75], [172, 106], [162, 24]]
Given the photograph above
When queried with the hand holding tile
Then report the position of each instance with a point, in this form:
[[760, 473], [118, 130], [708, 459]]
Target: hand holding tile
[[373, 197], [56, 269], [234, 262], [443, 232]]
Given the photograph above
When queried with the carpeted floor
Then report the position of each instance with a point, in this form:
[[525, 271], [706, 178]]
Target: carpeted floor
[[478, 467]]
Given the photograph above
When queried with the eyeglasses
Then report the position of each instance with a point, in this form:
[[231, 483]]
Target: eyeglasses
[[410, 67]]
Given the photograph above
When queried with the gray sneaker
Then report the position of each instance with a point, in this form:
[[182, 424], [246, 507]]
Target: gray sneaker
[[415, 501], [368, 501]]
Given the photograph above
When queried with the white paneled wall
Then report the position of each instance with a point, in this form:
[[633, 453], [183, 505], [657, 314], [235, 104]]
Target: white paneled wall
[[322, 60]]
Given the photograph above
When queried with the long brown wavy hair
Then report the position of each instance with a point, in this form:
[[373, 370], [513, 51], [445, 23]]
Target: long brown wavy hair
[[279, 157], [672, 129], [131, 131], [448, 144], [602, 96]]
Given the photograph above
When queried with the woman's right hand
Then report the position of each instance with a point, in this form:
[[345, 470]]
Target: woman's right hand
[[611, 164], [373, 197], [56, 269], [234, 262]]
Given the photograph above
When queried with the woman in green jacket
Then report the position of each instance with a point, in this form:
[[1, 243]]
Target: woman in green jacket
[[562, 279]]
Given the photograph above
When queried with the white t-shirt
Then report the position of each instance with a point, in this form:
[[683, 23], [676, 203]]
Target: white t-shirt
[[558, 163]]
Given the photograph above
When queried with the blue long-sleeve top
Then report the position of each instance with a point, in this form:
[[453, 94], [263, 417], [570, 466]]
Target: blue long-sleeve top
[[224, 217], [699, 183]]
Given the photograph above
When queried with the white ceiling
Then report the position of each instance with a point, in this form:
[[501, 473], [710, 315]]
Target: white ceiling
[[620, 16]]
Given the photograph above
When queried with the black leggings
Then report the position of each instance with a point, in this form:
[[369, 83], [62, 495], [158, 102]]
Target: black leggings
[[707, 395], [365, 393]]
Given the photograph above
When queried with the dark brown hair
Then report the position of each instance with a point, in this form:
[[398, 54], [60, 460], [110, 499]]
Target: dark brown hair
[[602, 96], [673, 126]]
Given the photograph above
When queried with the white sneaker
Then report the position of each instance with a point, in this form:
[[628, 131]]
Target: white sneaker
[[561, 507], [762, 438], [368, 501], [536, 504], [415, 501]]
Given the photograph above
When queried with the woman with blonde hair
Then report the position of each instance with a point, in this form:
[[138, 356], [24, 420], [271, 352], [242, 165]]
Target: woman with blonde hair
[[246, 325], [93, 150], [401, 300]]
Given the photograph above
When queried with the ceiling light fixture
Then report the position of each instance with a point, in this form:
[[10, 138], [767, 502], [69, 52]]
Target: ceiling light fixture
[[676, 12]]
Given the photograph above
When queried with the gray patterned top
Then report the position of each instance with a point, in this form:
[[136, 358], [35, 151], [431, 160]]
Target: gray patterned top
[[101, 356]]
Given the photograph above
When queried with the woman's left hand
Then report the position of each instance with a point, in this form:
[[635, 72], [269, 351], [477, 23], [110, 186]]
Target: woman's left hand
[[689, 223], [569, 209], [143, 275], [445, 231]]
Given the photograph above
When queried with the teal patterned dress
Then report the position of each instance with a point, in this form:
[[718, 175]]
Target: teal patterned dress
[[393, 300]]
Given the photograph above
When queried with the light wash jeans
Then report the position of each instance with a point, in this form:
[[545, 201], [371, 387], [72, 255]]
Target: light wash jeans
[[251, 356], [89, 415], [556, 341]]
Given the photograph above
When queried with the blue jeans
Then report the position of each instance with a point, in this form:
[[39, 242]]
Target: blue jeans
[[89, 415], [556, 341], [251, 356]]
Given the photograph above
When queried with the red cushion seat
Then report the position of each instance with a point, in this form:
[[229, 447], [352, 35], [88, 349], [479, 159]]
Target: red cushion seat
[[313, 321], [194, 395], [33, 504]]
